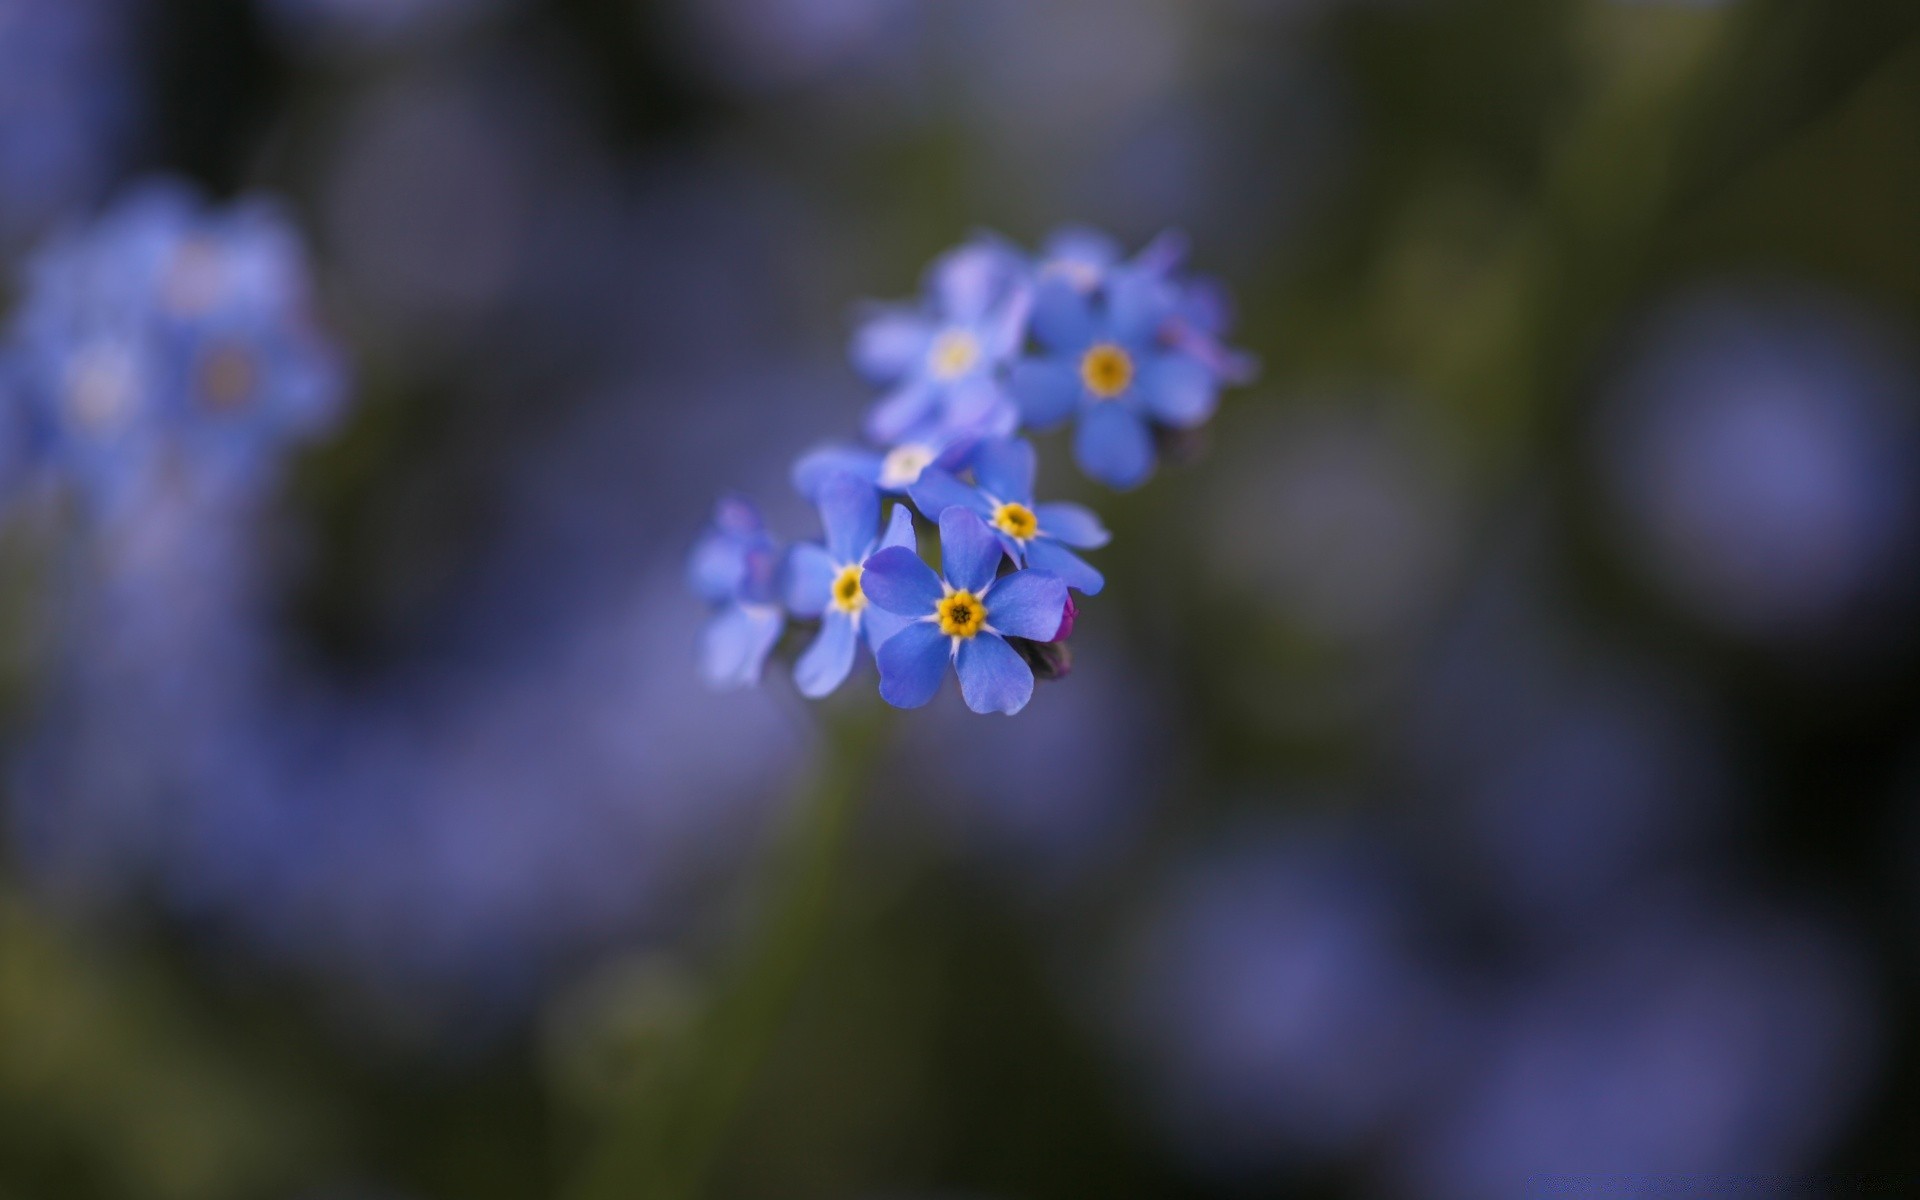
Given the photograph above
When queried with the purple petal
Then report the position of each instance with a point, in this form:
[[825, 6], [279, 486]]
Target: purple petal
[[1179, 391], [814, 467], [850, 510], [806, 579], [1113, 446], [1005, 468], [938, 491], [900, 410], [1046, 389], [736, 642], [1062, 319], [1027, 604], [1163, 254], [912, 664], [826, 663], [895, 579], [1049, 555], [993, 676], [1074, 524], [969, 552], [890, 344]]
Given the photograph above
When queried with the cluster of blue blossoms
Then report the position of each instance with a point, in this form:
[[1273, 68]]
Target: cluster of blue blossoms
[[1129, 351]]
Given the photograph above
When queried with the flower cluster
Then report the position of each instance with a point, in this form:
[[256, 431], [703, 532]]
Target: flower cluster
[[1127, 350]]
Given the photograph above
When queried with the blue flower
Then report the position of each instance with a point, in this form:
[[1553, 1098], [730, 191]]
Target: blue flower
[[1106, 361], [944, 359], [733, 568], [1035, 535], [824, 581], [892, 471], [964, 618]]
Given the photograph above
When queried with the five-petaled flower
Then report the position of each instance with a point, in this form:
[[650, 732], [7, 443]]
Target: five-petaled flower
[[825, 581], [1035, 535], [733, 568], [963, 618]]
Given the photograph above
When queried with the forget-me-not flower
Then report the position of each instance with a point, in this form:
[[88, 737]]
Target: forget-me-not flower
[[963, 619], [824, 581], [944, 359], [1035, 535], [734, 568]]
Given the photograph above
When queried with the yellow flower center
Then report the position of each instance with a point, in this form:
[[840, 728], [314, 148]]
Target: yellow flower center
[[953, 355], [903, 464], [847, 596], [961, 615], [227, 378], [1016, 521], [1107, 370]]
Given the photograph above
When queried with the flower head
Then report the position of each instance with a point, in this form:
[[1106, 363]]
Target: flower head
[[964, 618], [824, 580], [733, 568], [1034, 535]]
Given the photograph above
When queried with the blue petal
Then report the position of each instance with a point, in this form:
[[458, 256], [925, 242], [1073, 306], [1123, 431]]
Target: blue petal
[[993, 676], [826, 663], [969, 280], [736, 642], [1005, 469], [1049, 555], [879, 625], [717, 567], [1163, 254], [1062, 318], [1077, 246], [813, 468], [977, 408], [895, 579], [969, 552], [1179, 391], [899, 529], [1074, 524], [1047, 390], [912, 664], [900, 410], [806, 579], [1027, 604], [850, 510], [938, 491], [1113, 446], [1138, 304], [890, 344]]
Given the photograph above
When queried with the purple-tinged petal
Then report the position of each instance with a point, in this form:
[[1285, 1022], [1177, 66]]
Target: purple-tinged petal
[[806, 579], [826, 663], [1062, 318], [1113, 446], [1179, 391], [717, 567], [890, 343], [912, 664], [897, 580], [970, 553], [736, 643], [901, 410], [1006, 331], [1163, 254], [1005, 468], [993, 676], [1074, 524], [850, 510], [899, 529], [1046, 389], [970, 280], [1027, 604], [978, 408], [1048, 555], [938, 491], [814, 467]]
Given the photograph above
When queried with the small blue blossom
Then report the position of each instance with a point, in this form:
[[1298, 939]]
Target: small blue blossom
[[893, 471], [824, 581], [734, 568], [1035, 535], [964, 618], [944, 359], [1106, 360]]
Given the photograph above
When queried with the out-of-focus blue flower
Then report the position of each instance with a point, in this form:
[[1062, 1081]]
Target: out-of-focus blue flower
[[824, 581], [362, 24], [1763, 451], [943, 360], [171, 338], [67, 103], [1035, 535], [734, 568], [964, 618], [1108, 361], [894, 471], [1280, 1006]]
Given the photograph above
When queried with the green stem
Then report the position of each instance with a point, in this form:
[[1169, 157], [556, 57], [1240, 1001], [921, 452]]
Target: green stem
[[662, 1139]]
